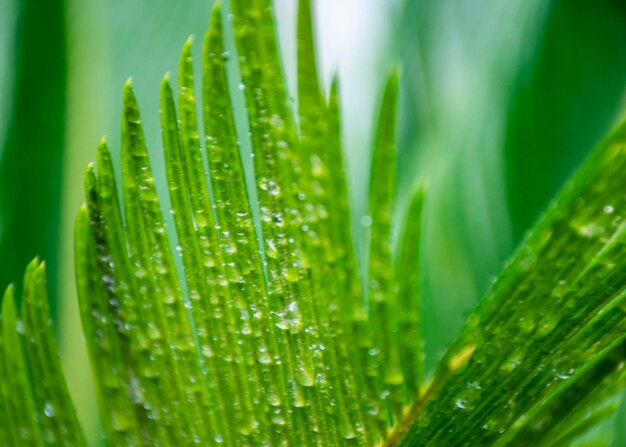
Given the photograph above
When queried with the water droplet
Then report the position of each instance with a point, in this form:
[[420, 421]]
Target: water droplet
[[153, 331], [565, 374], [48, 410], [590, 230], [512, 362], [264, 357], [366, 221], [276, 121], [608, 209], [278, 419], [373, 352], [460, 403], [207, 352], [560, 289], [271, 250]]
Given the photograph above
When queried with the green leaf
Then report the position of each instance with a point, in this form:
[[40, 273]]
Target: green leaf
[[384, 355], [551, 324], [558, 113], [261, 343], [36, 403], [36, 103], [266, 331], [408, 273], [18, 400]]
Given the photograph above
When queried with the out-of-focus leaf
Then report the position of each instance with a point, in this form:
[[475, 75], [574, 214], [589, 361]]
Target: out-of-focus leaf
[[7, 34], [31, 155], [36, 406], [459, 58], [566, 97]]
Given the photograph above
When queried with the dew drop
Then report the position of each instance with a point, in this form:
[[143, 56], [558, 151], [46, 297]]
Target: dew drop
[[590, 230], [48, 410], [563, 375], [460, 403]]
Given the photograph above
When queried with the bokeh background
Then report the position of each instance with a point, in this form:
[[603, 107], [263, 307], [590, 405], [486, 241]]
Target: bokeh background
[[500, 101]]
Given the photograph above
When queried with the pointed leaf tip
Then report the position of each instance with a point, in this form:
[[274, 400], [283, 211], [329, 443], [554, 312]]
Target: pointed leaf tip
[[391, 89], [10, 289], [9, 292], [33, 264], [102, 152], [89, 179], [128, 95], [165, 84], [188, 43], [334, 84]]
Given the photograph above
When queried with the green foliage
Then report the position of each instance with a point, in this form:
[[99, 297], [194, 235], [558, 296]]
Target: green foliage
[[35, 404], [550, 328], [269, 344], [251, 322], [32, 146], [555, 118]]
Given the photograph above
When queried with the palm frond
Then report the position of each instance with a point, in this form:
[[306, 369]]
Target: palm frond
[[36, 406], [550, 330], [269, 344], [252, 323]]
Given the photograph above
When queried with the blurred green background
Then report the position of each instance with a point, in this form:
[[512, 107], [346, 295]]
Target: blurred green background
[[500, 101]]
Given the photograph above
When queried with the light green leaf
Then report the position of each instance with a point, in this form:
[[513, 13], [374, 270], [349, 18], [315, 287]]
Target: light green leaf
[[36, 404]]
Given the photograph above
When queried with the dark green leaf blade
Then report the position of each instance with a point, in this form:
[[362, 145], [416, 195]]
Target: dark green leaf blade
[[408, 273], [384, 355], [30, 191], [559, 111]]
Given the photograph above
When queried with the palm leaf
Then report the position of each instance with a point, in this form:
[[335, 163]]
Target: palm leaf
[[36, 405], [35, 131], [270, 333], [264, 347], [550, 328]]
